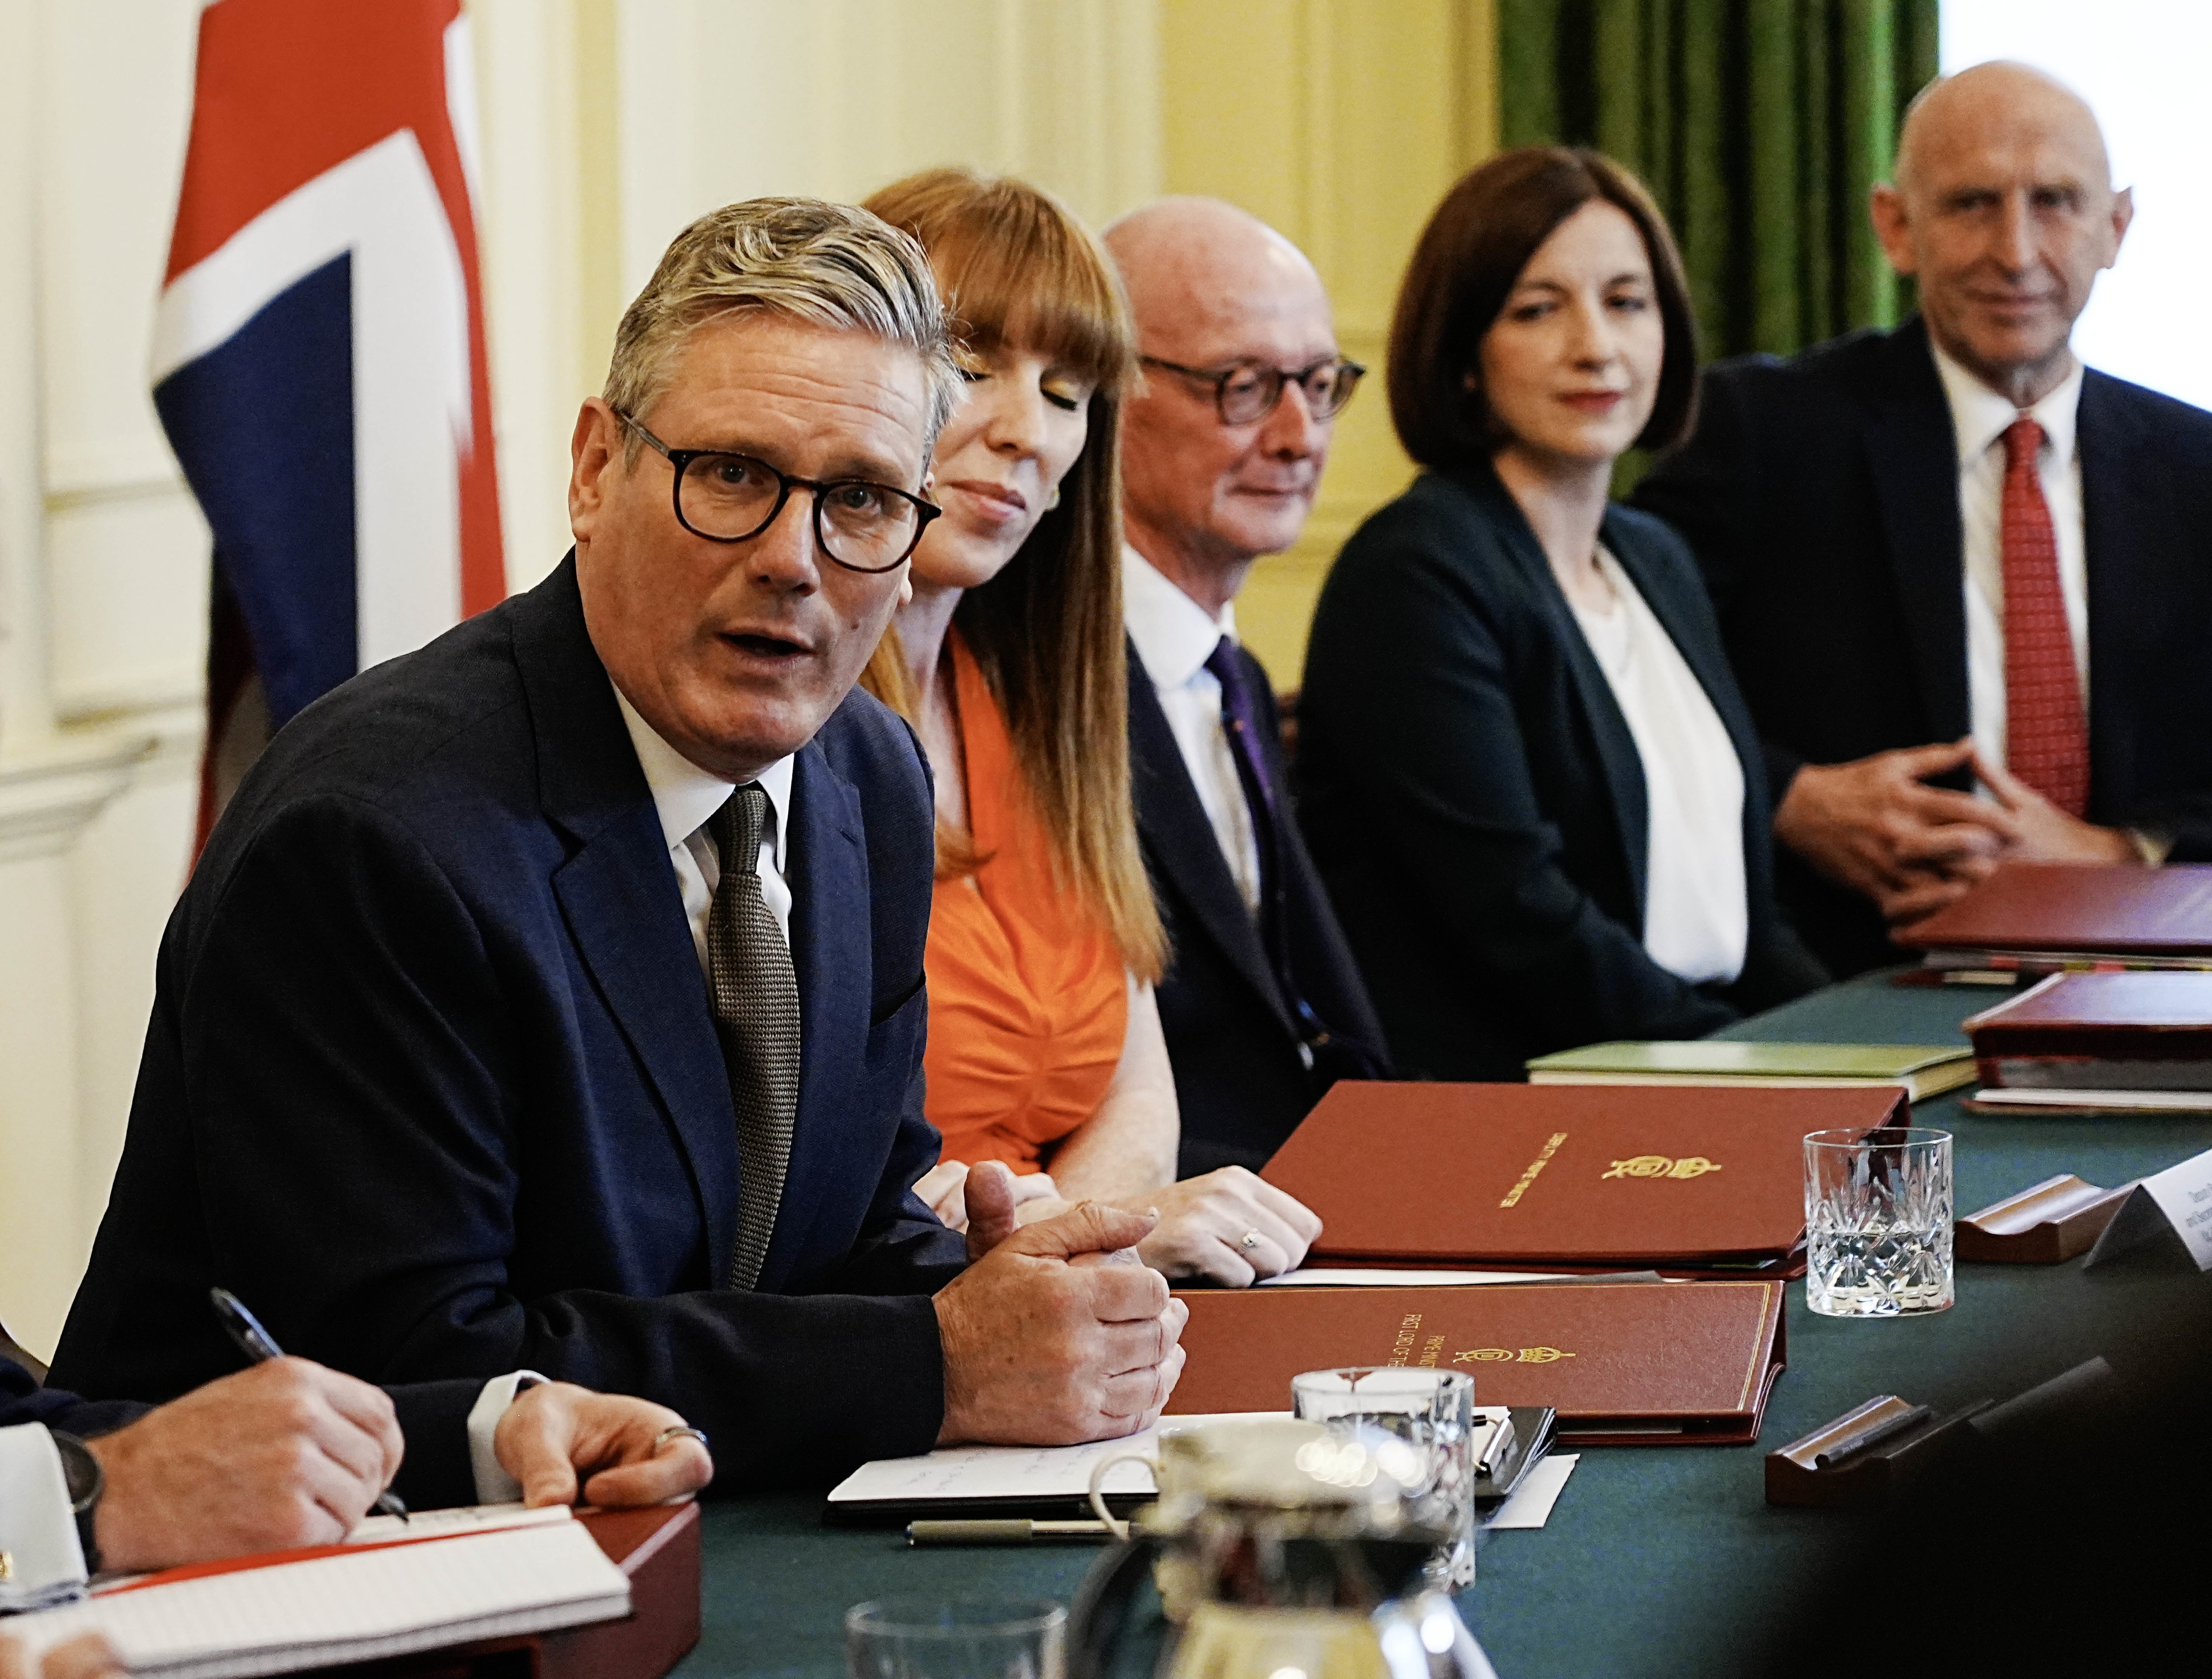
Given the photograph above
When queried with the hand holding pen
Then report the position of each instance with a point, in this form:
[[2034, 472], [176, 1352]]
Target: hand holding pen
[[259, 1347]]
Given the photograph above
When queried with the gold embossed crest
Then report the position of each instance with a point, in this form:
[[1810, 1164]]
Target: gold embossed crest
[[1661, 1166], [1507, 1356]]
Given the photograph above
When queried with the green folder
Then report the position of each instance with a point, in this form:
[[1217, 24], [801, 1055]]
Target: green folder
[[1920, 1069]]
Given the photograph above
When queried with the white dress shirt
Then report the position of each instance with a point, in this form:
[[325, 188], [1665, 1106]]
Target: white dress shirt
[[37, 1531], [1696, 921], [1979, 418], [685, 797], [1174, 635]]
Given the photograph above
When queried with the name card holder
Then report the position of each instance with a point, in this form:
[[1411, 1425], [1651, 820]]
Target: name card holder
[[2165, 1217], [1869, 1453], [2042, 1225]]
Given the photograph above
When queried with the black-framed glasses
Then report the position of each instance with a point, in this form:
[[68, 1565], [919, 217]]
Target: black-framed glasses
[[729, 498], [1245, 391]]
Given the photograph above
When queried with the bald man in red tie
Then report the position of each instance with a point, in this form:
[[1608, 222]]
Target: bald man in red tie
[[1965, 582]]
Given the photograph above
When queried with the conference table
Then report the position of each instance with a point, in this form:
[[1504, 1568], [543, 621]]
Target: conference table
[[1657, 1560]]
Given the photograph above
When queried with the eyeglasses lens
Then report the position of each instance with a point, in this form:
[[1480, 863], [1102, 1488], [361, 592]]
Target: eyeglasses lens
[[868, 527], [1250, 393]]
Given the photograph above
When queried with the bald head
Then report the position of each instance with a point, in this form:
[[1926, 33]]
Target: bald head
[[2003, 211], [1194, 264], [1210, 286], [1996, 102]]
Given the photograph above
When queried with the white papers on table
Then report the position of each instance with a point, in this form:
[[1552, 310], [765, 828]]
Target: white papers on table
[[1017, 1471], [462, 1518], [282, 1616], [1324, 1278], [1532, 1501]]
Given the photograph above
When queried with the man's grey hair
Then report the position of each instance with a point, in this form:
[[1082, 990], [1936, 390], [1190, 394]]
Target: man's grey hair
[[831, 265]]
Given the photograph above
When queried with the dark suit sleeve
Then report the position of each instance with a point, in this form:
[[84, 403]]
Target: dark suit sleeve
[[1708, 490], [22, 1400], [1416, 677], [362, 1095]]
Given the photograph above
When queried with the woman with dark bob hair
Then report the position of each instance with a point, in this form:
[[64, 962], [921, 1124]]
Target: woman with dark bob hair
[[1526, 774]]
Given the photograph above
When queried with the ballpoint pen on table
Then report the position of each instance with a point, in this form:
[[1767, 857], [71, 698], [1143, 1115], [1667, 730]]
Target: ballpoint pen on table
[[259, 1346], [1001, 1532]]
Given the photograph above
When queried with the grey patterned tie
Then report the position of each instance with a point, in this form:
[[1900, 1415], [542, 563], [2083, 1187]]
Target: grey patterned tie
[[756, 1015]]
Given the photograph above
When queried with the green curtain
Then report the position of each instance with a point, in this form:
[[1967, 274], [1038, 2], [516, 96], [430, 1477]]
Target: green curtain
[[1759, 124]]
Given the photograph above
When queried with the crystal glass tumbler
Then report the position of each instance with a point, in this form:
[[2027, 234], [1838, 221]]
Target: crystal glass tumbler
[[1415, 1425], [1878, 1222], [956, 1638]]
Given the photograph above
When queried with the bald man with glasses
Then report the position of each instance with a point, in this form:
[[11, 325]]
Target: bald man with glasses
[[1222, 453]]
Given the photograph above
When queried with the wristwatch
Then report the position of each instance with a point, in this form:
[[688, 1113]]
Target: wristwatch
[[81, 1474]]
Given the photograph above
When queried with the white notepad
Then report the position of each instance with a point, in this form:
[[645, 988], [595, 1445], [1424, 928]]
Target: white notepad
[[955, 1472], [373, 1602]]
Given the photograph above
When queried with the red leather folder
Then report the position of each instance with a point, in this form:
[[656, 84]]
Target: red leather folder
[[1623, 1364], [2090, 909], [1685, 1179]]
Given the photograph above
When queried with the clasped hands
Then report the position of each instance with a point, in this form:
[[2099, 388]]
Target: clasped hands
[[1057, 1332], [1228, 1226], [1874, 825]]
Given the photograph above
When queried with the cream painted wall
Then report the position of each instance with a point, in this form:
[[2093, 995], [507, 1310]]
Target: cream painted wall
[[606, 124], [1341, 122]]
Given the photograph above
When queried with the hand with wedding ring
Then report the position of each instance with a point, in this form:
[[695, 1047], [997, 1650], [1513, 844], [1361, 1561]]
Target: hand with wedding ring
[[558, 1438], [1228, 1226]]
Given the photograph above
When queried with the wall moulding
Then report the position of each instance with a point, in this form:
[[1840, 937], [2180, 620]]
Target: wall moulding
[[82, 473], [180, 689], [46, 801]]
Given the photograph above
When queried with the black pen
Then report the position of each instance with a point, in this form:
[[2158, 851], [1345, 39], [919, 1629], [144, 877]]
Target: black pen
[[259, 1346]]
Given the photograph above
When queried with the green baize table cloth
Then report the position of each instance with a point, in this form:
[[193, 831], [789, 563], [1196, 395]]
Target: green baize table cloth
[[1661, 1559]]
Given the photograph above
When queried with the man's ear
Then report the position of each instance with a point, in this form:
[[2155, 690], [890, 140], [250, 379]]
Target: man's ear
[[595, 457], [2124, 212], [1886, 209]]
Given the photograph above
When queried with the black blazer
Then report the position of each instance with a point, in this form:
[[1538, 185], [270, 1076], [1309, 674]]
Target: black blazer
[[433, 1416], [433, 1083], [1822, 496], [1476, 802], [1240, 1080]]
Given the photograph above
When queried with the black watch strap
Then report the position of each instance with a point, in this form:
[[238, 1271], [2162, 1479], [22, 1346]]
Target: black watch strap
[[85, 1482]]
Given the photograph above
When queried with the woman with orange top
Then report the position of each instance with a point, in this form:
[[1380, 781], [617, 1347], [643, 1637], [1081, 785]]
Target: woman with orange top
[[1045, 1050]]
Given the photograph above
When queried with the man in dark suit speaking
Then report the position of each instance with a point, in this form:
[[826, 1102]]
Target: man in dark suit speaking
[[551, 998], [1222, 454], [1951, 554]]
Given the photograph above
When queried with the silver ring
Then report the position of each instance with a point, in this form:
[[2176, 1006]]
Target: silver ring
[[1251, 1240], [682, 1431]]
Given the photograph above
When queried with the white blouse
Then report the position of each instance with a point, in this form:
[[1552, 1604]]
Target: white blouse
[[1695, 922]]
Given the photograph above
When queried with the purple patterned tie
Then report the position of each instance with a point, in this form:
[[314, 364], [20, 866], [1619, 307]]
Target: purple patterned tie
[[1241, 723]]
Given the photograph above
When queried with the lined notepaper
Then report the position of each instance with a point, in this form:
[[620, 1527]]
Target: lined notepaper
[[359, 1607]]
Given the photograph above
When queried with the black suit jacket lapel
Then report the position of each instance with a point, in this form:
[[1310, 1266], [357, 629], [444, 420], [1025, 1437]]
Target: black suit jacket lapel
[[1699, 649], [618, 894], [1912, 455], [1180, 842], [2124, 538], [1623, 766], [826, 865], [1694, 639]]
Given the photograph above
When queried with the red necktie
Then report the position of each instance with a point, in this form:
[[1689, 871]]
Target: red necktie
[[2046, 736]]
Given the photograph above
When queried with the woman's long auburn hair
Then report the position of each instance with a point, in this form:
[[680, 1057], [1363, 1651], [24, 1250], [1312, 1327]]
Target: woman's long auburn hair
[[1016, 269]]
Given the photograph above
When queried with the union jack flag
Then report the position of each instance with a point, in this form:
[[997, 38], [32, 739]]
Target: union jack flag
[[319, 354]]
